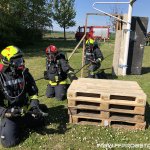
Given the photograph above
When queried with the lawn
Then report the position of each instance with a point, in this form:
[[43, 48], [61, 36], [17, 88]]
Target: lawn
[[58, 134]]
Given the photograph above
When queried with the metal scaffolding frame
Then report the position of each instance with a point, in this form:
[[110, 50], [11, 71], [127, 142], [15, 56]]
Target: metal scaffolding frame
[[102, 13], [128, 22]]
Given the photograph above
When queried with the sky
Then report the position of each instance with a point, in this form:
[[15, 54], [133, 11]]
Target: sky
[[141, 8]]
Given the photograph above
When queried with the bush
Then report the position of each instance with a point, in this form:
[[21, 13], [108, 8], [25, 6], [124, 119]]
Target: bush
[[29, 36], [19, 36]]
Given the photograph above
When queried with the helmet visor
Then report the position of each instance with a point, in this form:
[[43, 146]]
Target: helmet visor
[[17, 63], [89, 47]]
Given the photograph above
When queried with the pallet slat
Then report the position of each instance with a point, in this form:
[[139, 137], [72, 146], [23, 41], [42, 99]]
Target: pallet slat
[[112, 101], [107, 123], [109, 108], [130, 118]]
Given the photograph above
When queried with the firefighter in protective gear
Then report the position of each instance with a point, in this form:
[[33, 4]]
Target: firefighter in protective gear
[[93, 58], [19, 104], [57, 71]]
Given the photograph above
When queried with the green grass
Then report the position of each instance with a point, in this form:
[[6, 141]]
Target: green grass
[[58, 134], [59, 35]]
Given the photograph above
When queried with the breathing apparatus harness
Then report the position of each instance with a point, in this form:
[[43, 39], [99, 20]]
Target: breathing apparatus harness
[[89, 55], [51, 59], [3, 82]]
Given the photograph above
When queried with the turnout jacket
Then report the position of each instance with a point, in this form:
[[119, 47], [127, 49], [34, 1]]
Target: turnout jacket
[[16, 89], [93, 55], [57, 68]]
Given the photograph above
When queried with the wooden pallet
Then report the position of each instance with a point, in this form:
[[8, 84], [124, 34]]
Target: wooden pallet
[[77, 119], [97, 101]]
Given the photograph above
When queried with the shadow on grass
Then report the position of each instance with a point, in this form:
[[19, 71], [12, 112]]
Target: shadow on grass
[[38, 49], [145, 70], [104, 75], [110, 76], [57, 115]]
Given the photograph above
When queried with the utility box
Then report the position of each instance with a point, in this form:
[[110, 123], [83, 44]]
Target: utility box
[[137, 44]]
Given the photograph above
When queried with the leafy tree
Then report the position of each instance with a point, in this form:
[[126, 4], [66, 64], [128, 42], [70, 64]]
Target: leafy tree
[[38, 15], [64, 13], [7, 25], [23, 21]]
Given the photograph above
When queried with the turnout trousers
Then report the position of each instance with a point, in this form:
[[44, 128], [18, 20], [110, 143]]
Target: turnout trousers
[[93, 72], [58, 91], [11, 129]]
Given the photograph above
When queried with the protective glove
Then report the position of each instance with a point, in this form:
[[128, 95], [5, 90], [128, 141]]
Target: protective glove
[[94, 61], [37, 113], [98, 60], [13, 112], [72, 76], [35, 110]]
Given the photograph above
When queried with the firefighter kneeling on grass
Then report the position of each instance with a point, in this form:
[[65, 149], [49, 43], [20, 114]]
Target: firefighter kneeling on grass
[[57, 71], [93, 58], [19, 105]]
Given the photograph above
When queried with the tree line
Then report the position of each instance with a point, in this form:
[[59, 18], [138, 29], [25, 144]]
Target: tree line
[[24, 21]]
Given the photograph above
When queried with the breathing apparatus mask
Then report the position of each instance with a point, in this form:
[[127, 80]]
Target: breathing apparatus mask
[[89, 48], [51, 57], [51, 53], [17, 63]]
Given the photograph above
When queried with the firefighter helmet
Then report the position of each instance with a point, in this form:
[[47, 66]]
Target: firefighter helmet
[[51, 49], [10, 53], [12, 56], [89, 42]]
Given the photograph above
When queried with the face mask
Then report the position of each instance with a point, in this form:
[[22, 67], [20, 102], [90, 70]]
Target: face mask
[[89, 48], [51, 57], [17, 63]]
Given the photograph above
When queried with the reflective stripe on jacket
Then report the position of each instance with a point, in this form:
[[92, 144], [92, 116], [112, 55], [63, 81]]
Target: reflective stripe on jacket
[[56, 83]]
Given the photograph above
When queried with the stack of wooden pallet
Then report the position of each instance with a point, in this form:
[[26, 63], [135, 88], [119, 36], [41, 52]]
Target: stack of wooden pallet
[[112, 103]]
